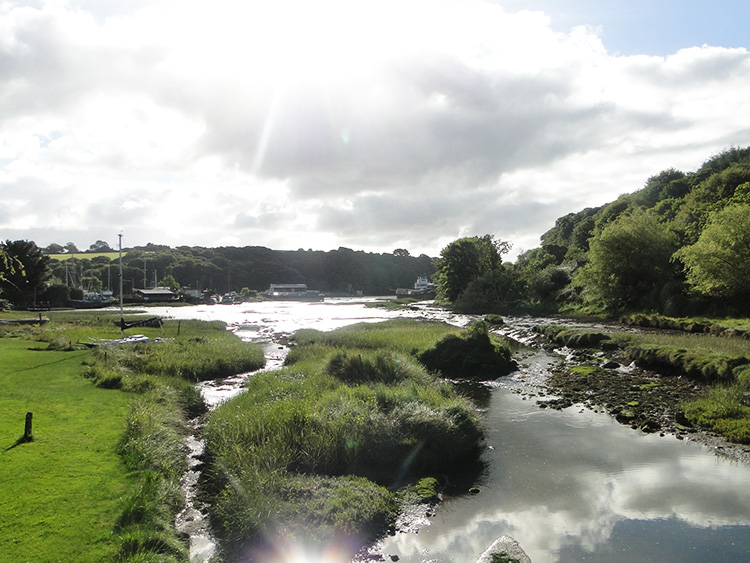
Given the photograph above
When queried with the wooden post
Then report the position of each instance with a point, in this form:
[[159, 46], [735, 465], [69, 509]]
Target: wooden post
[[27, 430], [178, 327]]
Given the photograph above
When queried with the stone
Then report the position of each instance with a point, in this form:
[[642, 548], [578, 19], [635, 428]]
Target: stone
[[505, 545]]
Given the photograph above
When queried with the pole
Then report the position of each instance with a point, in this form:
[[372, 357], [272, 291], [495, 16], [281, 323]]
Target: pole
[[122, 320], [27, 434]]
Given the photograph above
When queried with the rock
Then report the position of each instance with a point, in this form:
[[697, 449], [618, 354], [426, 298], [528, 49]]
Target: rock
[[610, 365], [507, 546]]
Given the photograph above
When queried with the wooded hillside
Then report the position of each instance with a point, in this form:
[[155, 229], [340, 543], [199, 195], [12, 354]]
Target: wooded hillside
[[679, 245]]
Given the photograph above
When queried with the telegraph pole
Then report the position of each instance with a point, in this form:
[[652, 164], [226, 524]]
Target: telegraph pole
[[122, 319]]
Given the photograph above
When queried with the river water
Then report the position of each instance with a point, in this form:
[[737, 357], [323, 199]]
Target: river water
[[569, 486]]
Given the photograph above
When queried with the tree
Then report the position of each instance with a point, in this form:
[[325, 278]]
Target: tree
[[717, 265], [629, 261], [71, 248], [54, 248], [170, 282], [24, 280], [491, 292], [401, 252], [99, 246], [465, 260]]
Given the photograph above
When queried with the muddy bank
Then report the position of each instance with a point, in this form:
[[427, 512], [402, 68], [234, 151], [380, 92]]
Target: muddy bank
[[647, 401]]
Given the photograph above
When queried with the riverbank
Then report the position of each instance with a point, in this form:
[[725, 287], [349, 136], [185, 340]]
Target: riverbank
[[603, 376]]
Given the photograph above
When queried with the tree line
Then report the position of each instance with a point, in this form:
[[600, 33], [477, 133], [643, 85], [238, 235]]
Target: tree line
[[30, 274], [678, 246]]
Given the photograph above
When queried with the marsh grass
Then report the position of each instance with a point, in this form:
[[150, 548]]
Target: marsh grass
[[704, 357], [397, 335], [320, 446], [200, 355], [718, 360]]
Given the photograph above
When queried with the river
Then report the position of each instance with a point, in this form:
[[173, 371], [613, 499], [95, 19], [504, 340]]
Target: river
[[569, 486]]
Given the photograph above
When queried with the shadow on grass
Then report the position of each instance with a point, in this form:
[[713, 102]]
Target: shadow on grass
[[61, 360], [22, 440]]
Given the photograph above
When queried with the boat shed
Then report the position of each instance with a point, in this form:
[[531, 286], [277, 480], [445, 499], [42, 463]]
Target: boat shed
[[157, 294]]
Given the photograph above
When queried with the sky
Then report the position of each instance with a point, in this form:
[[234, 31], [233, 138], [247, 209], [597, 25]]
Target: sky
[[369, 125]]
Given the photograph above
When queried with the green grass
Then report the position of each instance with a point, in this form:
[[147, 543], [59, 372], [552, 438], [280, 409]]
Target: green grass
[[717, 359], [397, 335], [59, 492], [87, 255], [353, 415], [100, 479]]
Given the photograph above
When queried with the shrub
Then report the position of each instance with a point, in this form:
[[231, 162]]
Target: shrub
[[472, 354]]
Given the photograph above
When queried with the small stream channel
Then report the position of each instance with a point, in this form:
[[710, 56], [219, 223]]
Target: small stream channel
[[569, 486]]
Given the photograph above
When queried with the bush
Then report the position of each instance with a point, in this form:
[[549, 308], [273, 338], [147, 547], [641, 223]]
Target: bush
[[472, 354]]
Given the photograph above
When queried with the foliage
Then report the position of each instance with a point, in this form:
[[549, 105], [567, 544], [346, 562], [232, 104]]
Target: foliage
[[629, 262], [170, 282], [493, 291], [472, 354], [228, 269], [24, 272], [465, 260], [717, 264]]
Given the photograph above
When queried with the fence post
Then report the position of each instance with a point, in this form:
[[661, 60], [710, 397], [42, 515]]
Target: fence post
[[27, 436]]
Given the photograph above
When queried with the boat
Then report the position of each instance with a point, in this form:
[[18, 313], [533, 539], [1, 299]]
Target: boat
[[292, 292], [422, 288], [93, 300]]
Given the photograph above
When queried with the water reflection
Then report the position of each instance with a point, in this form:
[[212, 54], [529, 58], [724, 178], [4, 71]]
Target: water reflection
[[577, 486], [570, 486]]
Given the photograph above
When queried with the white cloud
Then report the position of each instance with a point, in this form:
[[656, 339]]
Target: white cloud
[[371, 125]]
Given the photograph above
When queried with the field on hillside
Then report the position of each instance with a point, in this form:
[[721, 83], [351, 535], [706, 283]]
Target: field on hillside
[[86, 255]]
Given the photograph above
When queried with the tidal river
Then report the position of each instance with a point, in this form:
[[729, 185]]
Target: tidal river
[[569, 486]]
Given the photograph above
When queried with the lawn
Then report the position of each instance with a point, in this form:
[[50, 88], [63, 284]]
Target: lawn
[[61, 492]]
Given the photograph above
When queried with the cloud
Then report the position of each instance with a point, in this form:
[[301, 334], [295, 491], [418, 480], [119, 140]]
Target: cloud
[[363, 124]]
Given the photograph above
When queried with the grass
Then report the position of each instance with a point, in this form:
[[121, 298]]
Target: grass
[[87, 255], [720, 359], [100, 479], [316, 451], [398, 335], [59, 492]]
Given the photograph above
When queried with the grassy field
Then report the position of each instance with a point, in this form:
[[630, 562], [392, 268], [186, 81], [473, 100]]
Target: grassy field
[[100, 479], [61, 491], [86, 255]]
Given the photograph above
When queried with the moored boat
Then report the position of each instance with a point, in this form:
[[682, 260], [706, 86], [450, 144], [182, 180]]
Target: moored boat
[[292, 292]]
